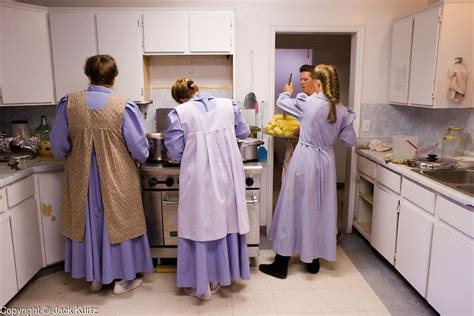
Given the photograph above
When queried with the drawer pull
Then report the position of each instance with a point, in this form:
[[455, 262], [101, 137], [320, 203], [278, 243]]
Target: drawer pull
[[254, 200]]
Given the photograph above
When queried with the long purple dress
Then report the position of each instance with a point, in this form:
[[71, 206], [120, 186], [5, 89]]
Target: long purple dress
[[222, 260], [95, 258]]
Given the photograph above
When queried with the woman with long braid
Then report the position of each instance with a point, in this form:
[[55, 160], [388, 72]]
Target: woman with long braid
[[305, 214]]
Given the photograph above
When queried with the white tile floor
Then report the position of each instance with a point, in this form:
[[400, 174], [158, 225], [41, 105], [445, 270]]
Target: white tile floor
[[338, 289]]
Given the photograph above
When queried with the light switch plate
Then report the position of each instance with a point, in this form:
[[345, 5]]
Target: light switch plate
[[366, 125]]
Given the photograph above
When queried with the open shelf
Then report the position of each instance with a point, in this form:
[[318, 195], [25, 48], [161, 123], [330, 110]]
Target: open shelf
[[367, 196], [365, 200]]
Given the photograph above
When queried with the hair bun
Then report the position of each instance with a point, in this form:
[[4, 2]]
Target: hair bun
[[190, 84]]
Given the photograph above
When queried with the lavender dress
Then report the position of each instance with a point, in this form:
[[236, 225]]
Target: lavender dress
[[305, 214], [222, 260], [95, 258]]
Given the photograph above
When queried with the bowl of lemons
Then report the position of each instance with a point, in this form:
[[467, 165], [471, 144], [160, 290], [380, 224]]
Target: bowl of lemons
[[282, 125]]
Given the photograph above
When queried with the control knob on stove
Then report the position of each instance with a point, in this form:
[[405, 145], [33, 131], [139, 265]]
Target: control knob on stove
[[169, 182], [249, 181], [152, 182]]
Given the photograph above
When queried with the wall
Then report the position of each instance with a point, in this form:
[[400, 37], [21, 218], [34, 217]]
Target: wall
[[428, 124]]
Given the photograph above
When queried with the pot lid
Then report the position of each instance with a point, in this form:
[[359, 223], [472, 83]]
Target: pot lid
[[431, 163]]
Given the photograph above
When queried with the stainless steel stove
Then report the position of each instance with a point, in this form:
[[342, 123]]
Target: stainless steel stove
[[160, 187]]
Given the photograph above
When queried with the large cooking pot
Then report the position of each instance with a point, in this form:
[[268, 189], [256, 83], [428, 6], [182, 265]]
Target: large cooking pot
[[157, 147], [248, 148]]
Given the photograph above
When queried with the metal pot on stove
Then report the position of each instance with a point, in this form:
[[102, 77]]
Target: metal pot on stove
[[248, 148], [158, 151]]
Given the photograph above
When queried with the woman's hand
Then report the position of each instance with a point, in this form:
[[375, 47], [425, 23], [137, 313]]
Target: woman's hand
[[297, 132], [288, 88]]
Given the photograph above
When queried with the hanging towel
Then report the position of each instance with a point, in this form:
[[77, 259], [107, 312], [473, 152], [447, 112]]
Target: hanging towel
[[457, 87]]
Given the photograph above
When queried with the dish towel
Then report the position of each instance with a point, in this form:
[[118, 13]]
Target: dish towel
[[457, 86]]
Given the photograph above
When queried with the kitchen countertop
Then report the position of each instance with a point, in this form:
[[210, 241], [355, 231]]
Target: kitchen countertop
[[407, 172], [43, 165]]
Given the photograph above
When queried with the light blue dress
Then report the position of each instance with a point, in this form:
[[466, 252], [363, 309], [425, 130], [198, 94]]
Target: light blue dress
[[305, 214], [95, 258]]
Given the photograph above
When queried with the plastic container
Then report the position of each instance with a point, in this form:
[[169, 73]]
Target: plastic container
[[404, 146], [453, 143]]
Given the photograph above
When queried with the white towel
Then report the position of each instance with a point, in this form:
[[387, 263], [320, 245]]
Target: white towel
[[457, 86]]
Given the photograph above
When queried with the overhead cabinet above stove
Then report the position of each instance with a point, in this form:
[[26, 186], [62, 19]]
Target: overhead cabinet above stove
[[188, 32]]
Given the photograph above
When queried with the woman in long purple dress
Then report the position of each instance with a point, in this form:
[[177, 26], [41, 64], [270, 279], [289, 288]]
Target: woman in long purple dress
[[212, 213], [305, 214], [101, 134]]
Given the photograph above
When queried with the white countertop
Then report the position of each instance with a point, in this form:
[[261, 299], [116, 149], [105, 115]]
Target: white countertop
[[8, 175], [406, 171]]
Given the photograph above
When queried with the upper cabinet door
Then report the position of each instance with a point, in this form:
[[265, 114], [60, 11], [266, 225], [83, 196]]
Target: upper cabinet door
[[119, 35], [211, 31], [73, 40], [26, 56], [400, 60], [424, 56], [165, 32]]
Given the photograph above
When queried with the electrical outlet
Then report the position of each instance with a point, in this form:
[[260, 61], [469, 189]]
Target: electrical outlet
[[366, 125]]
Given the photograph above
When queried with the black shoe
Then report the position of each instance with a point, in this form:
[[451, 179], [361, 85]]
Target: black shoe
[[278, 269], [313, 267]]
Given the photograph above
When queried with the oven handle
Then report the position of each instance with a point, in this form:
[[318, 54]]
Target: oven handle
[[166, 202], [254, 200]]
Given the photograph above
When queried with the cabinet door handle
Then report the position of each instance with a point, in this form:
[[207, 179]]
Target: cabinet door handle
[[166, 202]]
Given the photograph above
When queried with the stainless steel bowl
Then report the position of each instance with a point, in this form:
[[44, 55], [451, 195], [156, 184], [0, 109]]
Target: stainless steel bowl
[[248, 148], [158, 151]]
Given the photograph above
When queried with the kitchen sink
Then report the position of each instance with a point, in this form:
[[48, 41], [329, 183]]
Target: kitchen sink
[[451, 176], [458, 179]]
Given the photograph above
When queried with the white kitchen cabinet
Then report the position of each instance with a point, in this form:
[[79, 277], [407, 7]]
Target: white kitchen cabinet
[[26, 241], [402, 31], [450, 285], [384, 222], [119, 35], [7, 264], [27, 72], [415, 228], [165, 32], [188, 32], [73, 40], [440, 34], [50, 187], [210, 32]]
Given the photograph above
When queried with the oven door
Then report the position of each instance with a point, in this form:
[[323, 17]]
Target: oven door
[[253, 206], [153, 216], [169, 200]]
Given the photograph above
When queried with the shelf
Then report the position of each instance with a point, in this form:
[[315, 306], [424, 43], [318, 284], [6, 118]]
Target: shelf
[[367, 196], [364, 228]]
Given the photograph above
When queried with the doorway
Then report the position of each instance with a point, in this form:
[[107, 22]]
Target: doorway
[[343, 48]]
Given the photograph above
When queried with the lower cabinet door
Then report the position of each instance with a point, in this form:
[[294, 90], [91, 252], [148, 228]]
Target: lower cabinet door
[[7, 263], [451, 276], [26, 241], [384, 223], [415, 229]]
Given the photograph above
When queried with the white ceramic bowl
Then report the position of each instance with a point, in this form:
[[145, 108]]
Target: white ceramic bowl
[[465, 161]]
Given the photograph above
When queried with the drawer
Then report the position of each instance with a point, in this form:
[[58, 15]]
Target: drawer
[[366, 166], [3, 200], [388, 178], [456, 215], [417, 194], [20, 191]]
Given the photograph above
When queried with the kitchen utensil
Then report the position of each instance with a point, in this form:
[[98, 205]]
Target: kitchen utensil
[[248, 148], [157, 147], [464, 161], [289, 78], [453, 142], [20, 128], [404, 146]]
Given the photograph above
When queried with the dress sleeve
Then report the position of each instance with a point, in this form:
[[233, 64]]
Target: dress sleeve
[[242, 129], [347, 134], [292, 106], [174, 137], [133, 131], [59, 136]]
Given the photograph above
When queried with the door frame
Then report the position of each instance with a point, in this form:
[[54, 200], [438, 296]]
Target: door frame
[[355, 98]]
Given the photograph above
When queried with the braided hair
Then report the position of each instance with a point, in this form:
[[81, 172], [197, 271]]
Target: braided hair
[[184, 89], [329, 78]]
